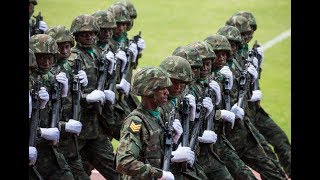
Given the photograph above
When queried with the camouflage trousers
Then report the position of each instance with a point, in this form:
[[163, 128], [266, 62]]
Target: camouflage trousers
[[251, 152], [237, 168], [51, 164], [98, 153], [121, 111], [276, 137], [191, 173]]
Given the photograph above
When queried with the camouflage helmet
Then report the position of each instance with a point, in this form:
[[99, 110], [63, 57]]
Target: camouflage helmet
[[121, 14], [43, 43], [84, 22], [178, 68], [130, 7], [205, 50], [147, 79], [34, 2], [231, 33], [239, 22], [218, 42], [60, 34], [250, 17], [32, 59], [190, 54], [105, 19]]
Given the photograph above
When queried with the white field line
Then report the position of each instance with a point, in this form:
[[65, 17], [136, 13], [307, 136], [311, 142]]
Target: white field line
[[277, 39]]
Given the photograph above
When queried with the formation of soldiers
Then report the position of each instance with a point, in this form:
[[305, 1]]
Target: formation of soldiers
[[198, 116]]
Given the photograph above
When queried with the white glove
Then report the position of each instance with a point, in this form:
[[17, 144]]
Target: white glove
[[256, 96], [253, 71], [112, 61], [96, 96], [207, 103], [51, 134], [33, 153], [260, 52], [225, 71], [123, 57], [228, 116], [208, 136], [73, 126], [43, 26], [255, 62], [177, 130], [124, 85], [141, 45], [82, 75], [134, 49], [44, 96], [110, 96], [183, 154], [215, 86], [192, 103], [238, 111], [62, 78], [30, 105], [166, 175]]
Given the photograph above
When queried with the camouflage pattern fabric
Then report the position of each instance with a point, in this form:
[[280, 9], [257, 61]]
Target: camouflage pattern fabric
[[250, 17], [231, 33], [239, 22], [43, 43], [105, 19], [121, 14], [84, 22], [61, 34]]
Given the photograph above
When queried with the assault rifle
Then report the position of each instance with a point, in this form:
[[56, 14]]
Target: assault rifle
[[35, 115], [123, 75], [135, 40], [36, 27], [210, 119], [185, 113], [103, 64], [258, 56], [226, 97], [244, 85], [76, 96], [198, 121], [168, 141], [56, 105]]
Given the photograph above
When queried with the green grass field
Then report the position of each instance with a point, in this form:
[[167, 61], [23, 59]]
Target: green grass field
[[165, 25]]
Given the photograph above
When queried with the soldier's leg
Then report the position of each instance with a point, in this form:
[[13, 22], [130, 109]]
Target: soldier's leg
[[257, 159], [77, 168], [99, 153], [276, 137], [51, 164], [238, 169]]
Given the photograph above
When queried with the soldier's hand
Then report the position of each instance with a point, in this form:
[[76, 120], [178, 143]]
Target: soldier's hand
[[43, 26], [123, 57], [51, 134], [228, 116], [112, 61], [183, 154], [207, 103], [225, 71], [110, 96], [238, 111], [141, 45], [44, 96], [124, 86], [253, 71], [216, 87], [134, 49], [208, 136], [166, 175], [96, 96], [255, 62], [62, 78], [192, 103], [73, 126], [33, 153], [82, 75], [177, 130], [256, 96]]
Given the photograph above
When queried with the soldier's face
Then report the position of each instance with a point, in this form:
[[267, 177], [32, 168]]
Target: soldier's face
[[220, 60], [177, 87], [206, 68], [120, 29], [105, 34], [195, 72], [86, 37], [44, 61], [234, 47], [64, 50], [161, 96], [246, 36]]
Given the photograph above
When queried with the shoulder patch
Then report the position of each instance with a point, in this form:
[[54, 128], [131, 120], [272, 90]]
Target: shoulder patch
[[135, 126]]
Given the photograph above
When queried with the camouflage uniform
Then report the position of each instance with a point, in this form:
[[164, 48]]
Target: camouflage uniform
[[264, 123], [124, 104], [244, 135], [140, 151], [95, 146], [131, 9], [179, 69], [68, 143], [50, 163]]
